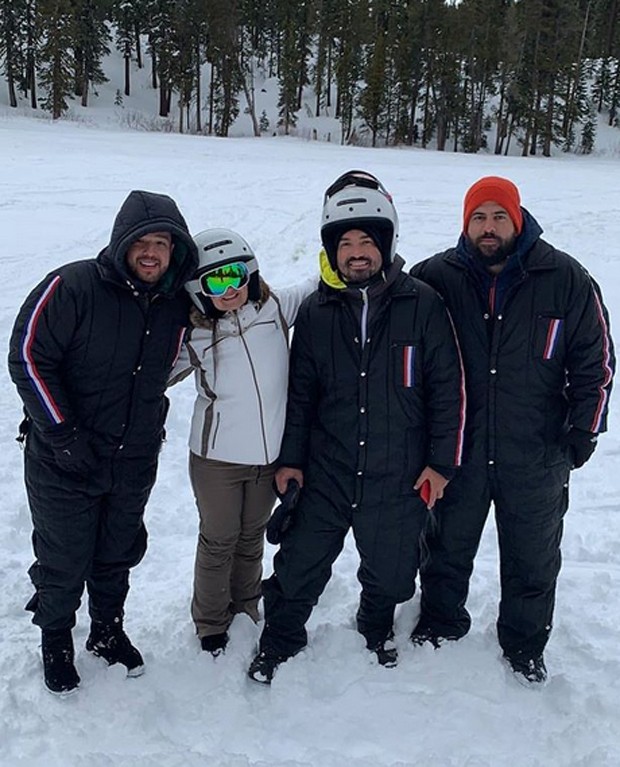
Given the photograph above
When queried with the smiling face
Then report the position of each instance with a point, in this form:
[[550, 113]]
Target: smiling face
[[357, 257], [148, 258], [231, 300], [491, 229]]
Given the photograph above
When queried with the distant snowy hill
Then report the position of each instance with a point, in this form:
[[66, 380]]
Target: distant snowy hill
[[139, 111]]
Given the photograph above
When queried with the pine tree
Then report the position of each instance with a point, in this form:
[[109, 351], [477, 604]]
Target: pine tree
[[372, 103], [588, 134], [287, 101], [352, 21], [125, 15], [90, 45], [12, 45], [56, 54]]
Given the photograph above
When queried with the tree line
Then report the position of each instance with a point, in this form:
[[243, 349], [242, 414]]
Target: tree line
[[400, 71]]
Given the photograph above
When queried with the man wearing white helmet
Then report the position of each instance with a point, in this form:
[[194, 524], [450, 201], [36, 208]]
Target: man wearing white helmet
[[238, 349], [375, 414]]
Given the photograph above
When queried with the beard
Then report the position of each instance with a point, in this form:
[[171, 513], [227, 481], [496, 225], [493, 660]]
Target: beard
[[358, 276], [497, 254]]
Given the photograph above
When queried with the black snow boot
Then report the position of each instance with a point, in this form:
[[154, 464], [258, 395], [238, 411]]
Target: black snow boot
[[264, 666], [61, 677], [214, 643], [110, 642], [386, 652], [529, 672]]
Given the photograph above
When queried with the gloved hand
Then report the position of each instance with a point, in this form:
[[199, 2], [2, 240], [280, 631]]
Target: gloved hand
[[282, 515], [72, 451], [580, 445]]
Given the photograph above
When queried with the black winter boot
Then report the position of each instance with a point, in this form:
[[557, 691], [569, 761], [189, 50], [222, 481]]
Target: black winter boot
[[264, 666], [386, 652], [110, 642], [214, 643], [61, 677], [529, 672]]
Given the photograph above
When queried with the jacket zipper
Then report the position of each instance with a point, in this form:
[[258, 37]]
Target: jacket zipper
[[257, 389], [364, 317]]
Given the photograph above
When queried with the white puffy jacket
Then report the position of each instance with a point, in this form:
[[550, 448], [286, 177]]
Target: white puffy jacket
[[240, 365]]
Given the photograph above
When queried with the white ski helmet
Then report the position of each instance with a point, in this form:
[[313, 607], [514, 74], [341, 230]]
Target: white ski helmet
[[359, 201], [215, 248]]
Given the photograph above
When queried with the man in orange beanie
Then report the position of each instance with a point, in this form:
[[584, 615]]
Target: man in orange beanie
[[539, 361]]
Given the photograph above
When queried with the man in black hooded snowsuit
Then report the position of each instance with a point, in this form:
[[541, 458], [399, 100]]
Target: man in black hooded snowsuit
[[90, 354]]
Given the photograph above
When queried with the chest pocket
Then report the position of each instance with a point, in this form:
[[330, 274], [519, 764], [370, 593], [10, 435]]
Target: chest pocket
[[549, 337]]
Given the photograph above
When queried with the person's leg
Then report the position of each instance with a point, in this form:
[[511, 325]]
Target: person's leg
[[219, 489], [302, 568], [121, 545], [65, 512], [387, 538], [122, 537], [247, 569], [530, 508], [449, 546]]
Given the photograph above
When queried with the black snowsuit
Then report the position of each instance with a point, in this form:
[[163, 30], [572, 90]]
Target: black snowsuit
[[375, 395], [538, 359], [92, 349]]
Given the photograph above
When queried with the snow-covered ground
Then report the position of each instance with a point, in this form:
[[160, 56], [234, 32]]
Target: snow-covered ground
[[60, 187]]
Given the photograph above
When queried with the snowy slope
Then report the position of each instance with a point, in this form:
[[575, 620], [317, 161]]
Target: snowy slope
[[60, 187]]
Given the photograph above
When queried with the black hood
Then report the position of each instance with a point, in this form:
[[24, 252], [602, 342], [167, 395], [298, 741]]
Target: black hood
[[143, 213]]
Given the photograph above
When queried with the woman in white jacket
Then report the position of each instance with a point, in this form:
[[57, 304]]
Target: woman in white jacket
[[237, 347]]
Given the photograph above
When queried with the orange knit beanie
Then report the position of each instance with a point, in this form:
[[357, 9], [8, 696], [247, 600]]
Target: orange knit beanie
[[493, 189]]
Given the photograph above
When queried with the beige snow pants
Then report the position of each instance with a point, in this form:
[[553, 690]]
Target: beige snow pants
[[234, 503]]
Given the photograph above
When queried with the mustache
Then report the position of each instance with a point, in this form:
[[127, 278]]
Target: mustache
[[488, 236]]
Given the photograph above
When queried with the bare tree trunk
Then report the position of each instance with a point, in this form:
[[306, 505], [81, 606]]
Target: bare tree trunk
[[138, 47], [198, 91], [127, 62], [570, 106], [211, 98], [248, 92], [614, 97], [426, 117], [153, 69], [328, 77], [501, 120], [163, 101], [11, 86]]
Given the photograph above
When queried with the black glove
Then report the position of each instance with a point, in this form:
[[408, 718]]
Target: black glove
[[72, 451], [579, 445], [282, 516]]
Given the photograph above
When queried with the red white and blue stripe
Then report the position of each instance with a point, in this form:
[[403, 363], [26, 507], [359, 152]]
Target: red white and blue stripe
[[553, 333], [408, 366], [39, 385], [458, 457], [597, 422]]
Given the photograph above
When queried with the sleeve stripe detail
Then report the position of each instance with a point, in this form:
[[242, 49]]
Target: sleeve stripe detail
[[179, 345], [458, 456], [607, 369], [41, 390]]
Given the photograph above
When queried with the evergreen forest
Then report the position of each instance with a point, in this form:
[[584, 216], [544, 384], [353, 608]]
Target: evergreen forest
[[533, 74]]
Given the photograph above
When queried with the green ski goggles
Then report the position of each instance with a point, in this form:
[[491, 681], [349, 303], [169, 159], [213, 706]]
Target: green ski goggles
[[216, 281]]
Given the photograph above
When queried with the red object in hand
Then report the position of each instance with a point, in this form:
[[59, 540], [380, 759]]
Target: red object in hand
[[425, 491]]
